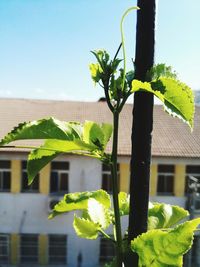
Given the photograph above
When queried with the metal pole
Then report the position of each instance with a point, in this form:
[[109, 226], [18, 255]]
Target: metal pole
[[142, 125]]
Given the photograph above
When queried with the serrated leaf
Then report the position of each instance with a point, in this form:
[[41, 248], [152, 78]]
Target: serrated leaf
[[95, 71], [38, 159], [161, 70], [176, 96], [107, 131], [93, 134], [124, 202], [50, 128], [159, 248], [79, 201], [162, 215], [62, 137], [52, 148], [85, 228], [98, 213]]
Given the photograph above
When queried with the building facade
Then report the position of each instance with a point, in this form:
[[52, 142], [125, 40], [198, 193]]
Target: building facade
[[28, 238]]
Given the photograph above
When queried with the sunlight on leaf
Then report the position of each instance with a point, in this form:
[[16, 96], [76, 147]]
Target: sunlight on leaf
[[85, 228], [98, 213], [177, 97], [160, 248], [79, 201]]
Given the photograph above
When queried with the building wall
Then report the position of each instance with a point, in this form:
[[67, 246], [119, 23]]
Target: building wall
[[22, 213]]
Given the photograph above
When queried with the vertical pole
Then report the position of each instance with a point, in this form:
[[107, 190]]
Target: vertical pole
[[142, 125]]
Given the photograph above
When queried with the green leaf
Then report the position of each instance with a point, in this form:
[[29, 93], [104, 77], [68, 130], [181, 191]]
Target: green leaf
[[79, 201], [95, 134], [38, 159], [85, 228], [95, 71], [62, 137], [102, 57], [161, 70], [124, 202], [50, 128], [162, 215], [107, 131], [98, 213], [159, 248], [176, 96]]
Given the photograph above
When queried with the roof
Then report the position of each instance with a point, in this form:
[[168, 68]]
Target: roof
[[171, 137]]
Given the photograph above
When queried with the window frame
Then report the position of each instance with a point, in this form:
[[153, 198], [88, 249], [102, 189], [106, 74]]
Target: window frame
[[26, 245], [24, 178], [106, 244], [59, 172], [55, 245], [3, 170], [7, 243], [106, 180], [190, 173], [165, 175]]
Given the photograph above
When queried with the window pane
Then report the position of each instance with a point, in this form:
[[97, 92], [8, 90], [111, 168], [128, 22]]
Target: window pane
[[29, 249], [64, 182], [6, 180], [60, 165], [54, 182], [5, 176], [105, 168], [195, 254], [169, 184], [24, 181], [107, 250], [4, 249], [34, 187], [161, 184], [166, 168], [193, 169], [24, 165], [107, 182], [106, 178], [165, 184], [57, 249], [35, 184], [5, 164]]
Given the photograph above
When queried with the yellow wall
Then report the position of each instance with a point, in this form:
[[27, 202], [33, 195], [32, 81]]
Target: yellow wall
[[43, 253], [153, 180], [124, 177], [14, 247], [179, 181], [45, 180], [15, 176]]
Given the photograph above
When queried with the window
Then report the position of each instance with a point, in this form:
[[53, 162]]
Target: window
[[165, 184], [192, 170], [195, 254], [106, 178], [57, 249], [4, 248], [59, 177], [5, 176], [29, 248], [107, 250], [34, 187]]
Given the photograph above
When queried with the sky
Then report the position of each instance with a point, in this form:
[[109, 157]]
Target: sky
[[45, 44]]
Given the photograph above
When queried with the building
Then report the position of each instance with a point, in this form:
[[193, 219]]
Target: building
[[27, 237], [197, 97]]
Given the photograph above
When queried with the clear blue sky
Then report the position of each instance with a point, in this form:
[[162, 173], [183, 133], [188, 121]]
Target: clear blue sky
[[45, 44]]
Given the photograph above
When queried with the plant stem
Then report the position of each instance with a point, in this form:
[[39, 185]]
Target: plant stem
[[115, 189], [106, 236]]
